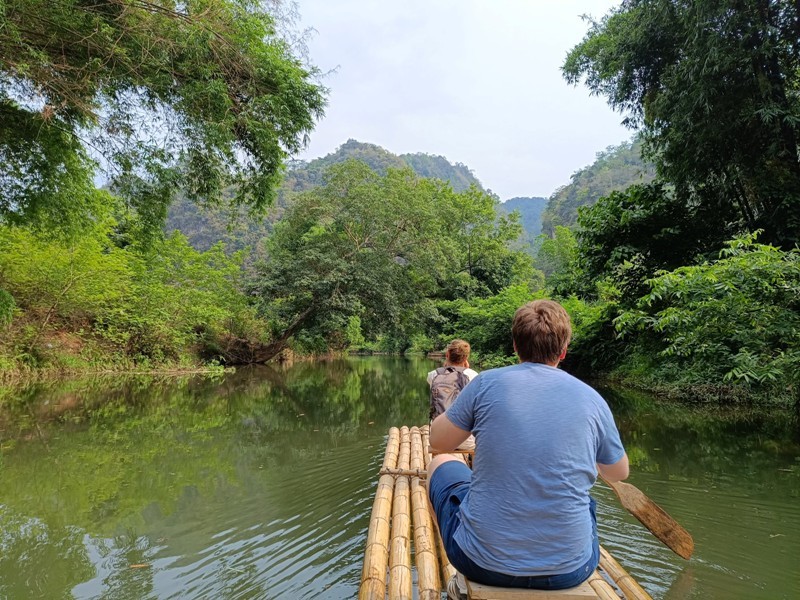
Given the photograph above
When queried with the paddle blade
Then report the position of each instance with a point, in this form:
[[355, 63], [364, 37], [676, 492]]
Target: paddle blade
[[652, 516]]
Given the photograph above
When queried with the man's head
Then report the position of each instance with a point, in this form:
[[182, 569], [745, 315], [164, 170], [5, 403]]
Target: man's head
[[541, 331], [457, 352]]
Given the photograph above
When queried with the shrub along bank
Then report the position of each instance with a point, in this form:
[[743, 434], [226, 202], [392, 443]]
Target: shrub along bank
[[96, 302]]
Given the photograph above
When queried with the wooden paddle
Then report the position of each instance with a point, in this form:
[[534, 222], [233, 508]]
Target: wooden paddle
[[648, 513], [652, 516]]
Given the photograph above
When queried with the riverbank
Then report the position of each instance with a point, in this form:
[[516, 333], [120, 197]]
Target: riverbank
[[68, 355], [59, 354], [24, 376]]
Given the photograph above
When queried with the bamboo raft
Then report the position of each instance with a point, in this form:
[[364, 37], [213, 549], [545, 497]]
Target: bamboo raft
[[401, 525]]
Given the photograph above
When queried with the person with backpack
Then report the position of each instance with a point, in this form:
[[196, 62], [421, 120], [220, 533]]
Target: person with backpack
[[447, 381]]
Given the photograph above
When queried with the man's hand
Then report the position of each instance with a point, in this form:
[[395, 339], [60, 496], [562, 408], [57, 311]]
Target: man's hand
[[446, 437]]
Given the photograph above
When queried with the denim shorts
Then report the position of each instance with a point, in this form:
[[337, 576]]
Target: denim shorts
[[446, 489]]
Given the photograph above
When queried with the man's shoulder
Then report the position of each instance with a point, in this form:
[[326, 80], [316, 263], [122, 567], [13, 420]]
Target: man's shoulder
[[578, 384], [501, 373], [581, 389], [526, 370]]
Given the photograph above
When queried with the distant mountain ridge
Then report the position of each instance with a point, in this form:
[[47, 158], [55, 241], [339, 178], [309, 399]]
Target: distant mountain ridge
[[530, 210], [615, 168], [304, 174]]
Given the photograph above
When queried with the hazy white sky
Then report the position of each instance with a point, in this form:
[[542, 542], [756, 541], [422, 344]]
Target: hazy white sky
[[477, 81]]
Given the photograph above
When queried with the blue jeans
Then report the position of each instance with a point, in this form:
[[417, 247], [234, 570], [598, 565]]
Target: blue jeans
[[446, 490]]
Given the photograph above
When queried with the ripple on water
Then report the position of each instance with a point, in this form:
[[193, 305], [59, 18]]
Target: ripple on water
[[314, 548], [744, 539]]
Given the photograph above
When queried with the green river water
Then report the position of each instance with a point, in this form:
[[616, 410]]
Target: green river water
[[259, 484]]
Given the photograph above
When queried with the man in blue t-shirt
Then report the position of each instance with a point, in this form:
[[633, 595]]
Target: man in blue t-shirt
[[523, 517]]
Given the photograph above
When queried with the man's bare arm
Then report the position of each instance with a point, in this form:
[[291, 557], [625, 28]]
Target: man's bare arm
[[616, 472], [445, 436]]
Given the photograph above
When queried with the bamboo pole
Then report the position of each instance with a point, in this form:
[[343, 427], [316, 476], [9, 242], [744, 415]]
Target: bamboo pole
[[424, 534], [629, 586], [400, 579], [425, 430], [376, 554], [601, 587], [447, 569]]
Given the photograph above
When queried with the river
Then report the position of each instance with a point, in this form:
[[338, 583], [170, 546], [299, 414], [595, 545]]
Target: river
[[259, 484]]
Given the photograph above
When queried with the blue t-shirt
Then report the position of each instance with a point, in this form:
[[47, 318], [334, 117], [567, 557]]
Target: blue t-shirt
[[538, 432]]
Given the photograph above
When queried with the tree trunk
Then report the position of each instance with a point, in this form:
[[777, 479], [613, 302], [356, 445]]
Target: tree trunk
[[244, 352]]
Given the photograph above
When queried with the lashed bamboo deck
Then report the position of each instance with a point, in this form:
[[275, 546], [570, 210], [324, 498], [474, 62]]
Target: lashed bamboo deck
[[400, 513]]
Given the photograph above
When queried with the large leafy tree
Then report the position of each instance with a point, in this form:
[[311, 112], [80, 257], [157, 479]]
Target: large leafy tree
[[357, 246], [383, 249], [162, 95], [713, 86], [629, 235], [477, 238]]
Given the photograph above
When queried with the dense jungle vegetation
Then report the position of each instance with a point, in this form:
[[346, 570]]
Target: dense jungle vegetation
[[676, 253]]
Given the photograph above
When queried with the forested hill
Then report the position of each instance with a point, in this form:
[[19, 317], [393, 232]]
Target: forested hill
[[438, 167], [530, 210], [615, 169], [302, 174], [205, 227]]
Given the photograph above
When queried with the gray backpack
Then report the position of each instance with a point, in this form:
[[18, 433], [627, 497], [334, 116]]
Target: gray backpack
[[445, 387]]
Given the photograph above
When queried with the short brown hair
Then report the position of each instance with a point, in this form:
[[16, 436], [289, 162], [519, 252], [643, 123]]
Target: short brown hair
[[457, 351], [541, 331]]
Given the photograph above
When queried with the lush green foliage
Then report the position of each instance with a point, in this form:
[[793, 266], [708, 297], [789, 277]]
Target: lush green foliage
[[195, 95], [713, 86], [486, 323], [7, 306], [83, 301], [53, 279], [614, 169], [736, 319], [557, 258], [384, 249], [595, 348], [629, 235]]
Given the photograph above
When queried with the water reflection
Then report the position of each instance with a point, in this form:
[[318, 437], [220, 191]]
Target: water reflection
[[732, 478], [253, 486], [259, 485]]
